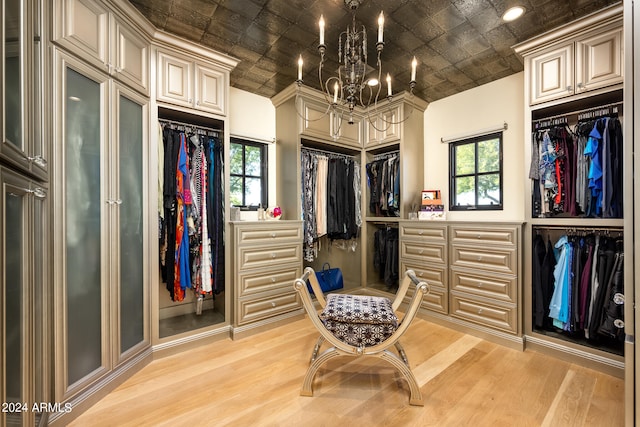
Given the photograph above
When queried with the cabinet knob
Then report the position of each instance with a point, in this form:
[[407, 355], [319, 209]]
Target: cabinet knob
[[569, 88], [479, 258], [273, 280], [273, 235], [479, 284], [273, 304], [580, 86], [480, 311], [273, 255]]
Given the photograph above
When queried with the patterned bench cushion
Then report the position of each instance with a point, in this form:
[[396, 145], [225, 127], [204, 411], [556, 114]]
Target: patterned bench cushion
[[359, 320]]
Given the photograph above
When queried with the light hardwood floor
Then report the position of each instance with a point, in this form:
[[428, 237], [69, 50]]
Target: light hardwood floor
[[464, 381]]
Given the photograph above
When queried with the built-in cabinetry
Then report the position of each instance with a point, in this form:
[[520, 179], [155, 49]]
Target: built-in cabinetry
[[389, 129], [573, 77], [26, 335], [474, 271], [25, 287], [93, 30], [576, 61], [189, 95], [266, 261], [188, 83], [101, 228]]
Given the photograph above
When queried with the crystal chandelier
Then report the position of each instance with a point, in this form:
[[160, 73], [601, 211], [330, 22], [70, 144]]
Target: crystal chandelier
[[356, 84]]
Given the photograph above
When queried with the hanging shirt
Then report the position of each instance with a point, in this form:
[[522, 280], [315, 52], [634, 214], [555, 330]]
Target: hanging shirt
[[559, 306]]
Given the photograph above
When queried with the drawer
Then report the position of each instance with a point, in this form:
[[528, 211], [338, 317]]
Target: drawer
[[434, 275], [423, 252], [502, 260], [270, 232], [416, 232], [253, 309], [483, 313], [436, 300], [487, 285], [490, 234], [252, 282], [267, 256]]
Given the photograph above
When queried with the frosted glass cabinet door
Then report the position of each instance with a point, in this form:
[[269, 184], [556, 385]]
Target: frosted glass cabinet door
[[130, 219], [83, 225], [13, 72], [14, 205]]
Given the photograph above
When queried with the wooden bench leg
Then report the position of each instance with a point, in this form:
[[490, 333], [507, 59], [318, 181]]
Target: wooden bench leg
[[416, 396], [307, 385]]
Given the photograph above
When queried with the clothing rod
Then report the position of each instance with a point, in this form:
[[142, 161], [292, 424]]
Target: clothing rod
[[386, 155], [566, 115], [190, 125], [327, 153], [481, 132], [614, 229]]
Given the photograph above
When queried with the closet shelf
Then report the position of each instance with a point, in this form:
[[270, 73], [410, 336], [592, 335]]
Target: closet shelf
[[577, 222]]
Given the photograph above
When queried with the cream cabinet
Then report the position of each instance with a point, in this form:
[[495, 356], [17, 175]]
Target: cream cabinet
[[267, 258], [101, 230], [582, 62], [423, 249], [484, 275], [319, 121], [25, 340], [89, 29], [383, 127], [21, 88], [192, 84], [474, 271]]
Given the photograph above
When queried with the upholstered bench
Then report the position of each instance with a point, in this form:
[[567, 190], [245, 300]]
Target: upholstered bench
[[359, 325]]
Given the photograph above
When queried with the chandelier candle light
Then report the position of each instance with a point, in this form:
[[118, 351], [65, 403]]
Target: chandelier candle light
[[351, 87]]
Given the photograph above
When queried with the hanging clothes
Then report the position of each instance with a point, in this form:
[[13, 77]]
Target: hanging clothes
[[192, 240], [383, 178], [385, 255], [578, 173], [330, 200]]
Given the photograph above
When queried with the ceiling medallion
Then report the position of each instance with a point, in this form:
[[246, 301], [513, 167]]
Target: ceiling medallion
[[356, 84]]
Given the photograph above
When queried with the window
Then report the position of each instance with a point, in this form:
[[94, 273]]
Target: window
[[475, 168], [248, 174]]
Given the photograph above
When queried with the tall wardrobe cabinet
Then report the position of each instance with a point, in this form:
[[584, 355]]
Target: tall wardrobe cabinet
[[100, 224], [25, 308]]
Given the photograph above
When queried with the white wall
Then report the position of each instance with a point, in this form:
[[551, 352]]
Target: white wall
[[468, 112], [253, 117]]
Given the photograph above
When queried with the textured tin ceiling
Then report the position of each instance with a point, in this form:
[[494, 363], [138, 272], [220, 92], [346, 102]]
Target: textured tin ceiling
[[459, 44]]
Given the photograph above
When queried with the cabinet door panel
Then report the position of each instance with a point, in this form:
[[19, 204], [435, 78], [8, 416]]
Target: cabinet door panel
[[174, 80], [599, 60], [552, 74], [83, 208], [209, 90], [131, 58], [14, 214], [82, 26], [130, 214]]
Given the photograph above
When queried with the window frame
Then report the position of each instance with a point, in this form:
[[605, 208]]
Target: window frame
[[452, 172], [264, 173]]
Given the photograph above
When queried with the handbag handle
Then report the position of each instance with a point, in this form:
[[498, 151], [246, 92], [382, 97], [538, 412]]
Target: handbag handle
[[326, 266]]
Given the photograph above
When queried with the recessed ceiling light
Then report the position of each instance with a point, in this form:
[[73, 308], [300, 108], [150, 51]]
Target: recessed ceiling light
[[513, 13]]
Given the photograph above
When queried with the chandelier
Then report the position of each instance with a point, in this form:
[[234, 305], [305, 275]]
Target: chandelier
[[356, 84]]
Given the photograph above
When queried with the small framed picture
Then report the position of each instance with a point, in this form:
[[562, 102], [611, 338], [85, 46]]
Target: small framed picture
[[430, 194]]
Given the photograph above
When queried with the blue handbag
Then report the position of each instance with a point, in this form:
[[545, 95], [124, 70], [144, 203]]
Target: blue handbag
[[329, 279]]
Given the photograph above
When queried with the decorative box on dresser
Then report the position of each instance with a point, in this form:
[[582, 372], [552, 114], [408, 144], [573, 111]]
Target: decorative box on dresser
[[474, 270], [267, 258]]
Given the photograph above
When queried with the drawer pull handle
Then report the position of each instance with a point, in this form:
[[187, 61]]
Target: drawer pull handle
[[479, 236], [479, 258], [421, 232], [480, 311], [273, 280], [273, 255], [480, 284], [273, 304], [273, 235]]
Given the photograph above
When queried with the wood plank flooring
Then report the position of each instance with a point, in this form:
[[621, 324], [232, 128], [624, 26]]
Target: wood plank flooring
[[465, 381]]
